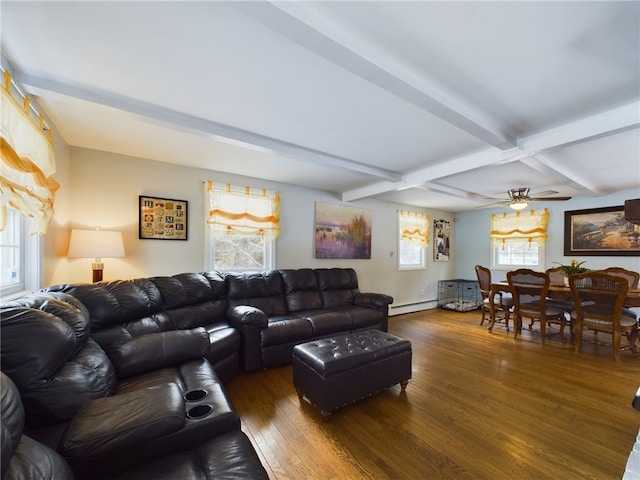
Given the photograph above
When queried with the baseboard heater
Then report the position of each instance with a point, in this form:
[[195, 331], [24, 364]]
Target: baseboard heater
[[410, 307]]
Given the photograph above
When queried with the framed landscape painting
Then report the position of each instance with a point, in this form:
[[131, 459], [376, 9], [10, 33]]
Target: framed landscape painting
[[600, 231], [342, 232]]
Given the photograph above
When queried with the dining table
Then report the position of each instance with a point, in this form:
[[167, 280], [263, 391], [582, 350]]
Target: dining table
[[563, 292]]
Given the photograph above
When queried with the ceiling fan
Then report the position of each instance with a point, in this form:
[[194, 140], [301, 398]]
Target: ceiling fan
[[519, 198]]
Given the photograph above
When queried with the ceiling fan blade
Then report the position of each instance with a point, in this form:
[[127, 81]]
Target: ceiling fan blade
[[549, 199], [497, 199], [546, 193], [505, 202]]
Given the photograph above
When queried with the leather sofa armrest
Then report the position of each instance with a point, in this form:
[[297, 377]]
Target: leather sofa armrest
[[111, 425], [247, 315], [159, 350], [375, 300]]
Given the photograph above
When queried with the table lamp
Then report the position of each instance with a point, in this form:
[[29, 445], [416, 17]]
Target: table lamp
[[97, 244]]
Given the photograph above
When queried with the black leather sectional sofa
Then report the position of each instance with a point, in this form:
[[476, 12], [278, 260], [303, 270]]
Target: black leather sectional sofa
[[125, 379]]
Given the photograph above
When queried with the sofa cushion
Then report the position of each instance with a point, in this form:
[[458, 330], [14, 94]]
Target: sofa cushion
[[337, 286], [326, 322], [158, 350], [262, 290], [285, 329], [46, 351], [301, 289], [97, 431], [228, 456], [116, 302], [23, 457], [193, 299]]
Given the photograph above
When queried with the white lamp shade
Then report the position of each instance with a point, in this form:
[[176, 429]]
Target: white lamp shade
[[96, 244]]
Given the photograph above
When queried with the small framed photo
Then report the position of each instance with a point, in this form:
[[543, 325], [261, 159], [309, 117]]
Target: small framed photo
[[162, 218], [441, 244]]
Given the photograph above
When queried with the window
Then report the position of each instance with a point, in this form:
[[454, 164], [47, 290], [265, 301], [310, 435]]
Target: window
[[413, 239], [240, 252], [517, 241], [20, 256], [242, 229], [518, 253]]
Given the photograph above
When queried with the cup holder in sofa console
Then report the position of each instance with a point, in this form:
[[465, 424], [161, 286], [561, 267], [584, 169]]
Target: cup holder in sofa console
[[194, 395], [199, 411]]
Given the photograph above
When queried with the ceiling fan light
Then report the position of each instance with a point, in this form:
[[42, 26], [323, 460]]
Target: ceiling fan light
[[518, 204]]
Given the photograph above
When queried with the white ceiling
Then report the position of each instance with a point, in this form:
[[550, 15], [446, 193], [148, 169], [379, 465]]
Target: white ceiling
[[433, 104]]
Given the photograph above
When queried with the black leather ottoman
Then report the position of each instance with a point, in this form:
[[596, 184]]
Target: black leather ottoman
[[337, 371]]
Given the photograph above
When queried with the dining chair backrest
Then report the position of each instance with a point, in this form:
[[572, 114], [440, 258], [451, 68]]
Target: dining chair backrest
[[528, 287], [484, 279], [598, 298], [498, 304], [598, 295], [556, 277], [631, 276], [529, 290]]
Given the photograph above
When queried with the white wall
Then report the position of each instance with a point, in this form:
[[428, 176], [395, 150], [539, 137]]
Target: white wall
[[103, 190], [473, 228], [56, 242]]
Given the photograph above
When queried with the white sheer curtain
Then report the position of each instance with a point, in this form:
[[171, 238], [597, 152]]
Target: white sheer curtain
[[414, 228], [26, 163], [243, 212], [528, 226]]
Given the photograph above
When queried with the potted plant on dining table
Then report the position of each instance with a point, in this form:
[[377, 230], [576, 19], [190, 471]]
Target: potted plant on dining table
[[573, 268]]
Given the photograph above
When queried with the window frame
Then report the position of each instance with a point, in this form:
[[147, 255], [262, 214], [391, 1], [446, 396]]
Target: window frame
[[422, 264], [210, 255], [30, 259], [512, 266]]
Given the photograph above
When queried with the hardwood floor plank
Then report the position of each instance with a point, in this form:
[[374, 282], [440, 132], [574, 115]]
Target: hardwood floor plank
[[479, 405]]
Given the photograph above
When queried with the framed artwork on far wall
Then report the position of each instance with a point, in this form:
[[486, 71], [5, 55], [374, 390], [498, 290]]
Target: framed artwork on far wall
[[162, 218], [600, 231], [441, 240], [342, 232]]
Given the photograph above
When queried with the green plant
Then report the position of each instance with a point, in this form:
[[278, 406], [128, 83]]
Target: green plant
[[572, 268]]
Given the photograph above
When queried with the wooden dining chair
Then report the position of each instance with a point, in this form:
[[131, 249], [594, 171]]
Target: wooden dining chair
[[632, 277], [529, 290], [565, 302], [599, 297], [502, 301], [556, 277]]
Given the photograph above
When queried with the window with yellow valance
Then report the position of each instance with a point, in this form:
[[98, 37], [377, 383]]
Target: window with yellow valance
[[26, 163], [243, 212], [414, 228], [528, 226]]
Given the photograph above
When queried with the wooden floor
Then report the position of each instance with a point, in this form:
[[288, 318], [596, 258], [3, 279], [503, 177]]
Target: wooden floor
[[480, 405]]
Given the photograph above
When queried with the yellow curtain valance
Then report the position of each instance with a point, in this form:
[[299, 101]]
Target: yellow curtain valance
[[26, 163], [243, 212], [529, 226], [414, 228]]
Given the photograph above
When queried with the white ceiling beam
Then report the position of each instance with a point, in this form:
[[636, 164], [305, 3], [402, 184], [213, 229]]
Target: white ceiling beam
[[175, 119], [606, 123], [599, 125], [553, 168], [296, 22], [455, 192], [433, 172]]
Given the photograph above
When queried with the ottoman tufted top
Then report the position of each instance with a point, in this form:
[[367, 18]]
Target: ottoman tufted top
[[331, 355]]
